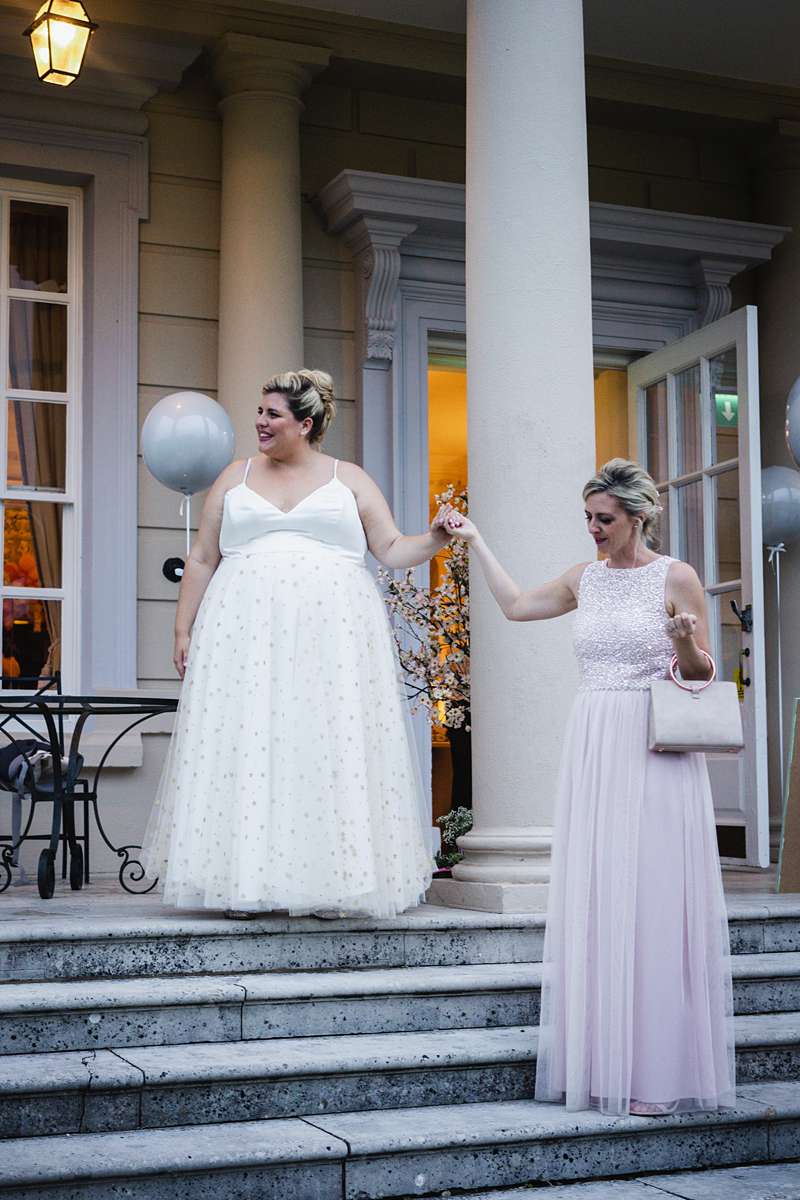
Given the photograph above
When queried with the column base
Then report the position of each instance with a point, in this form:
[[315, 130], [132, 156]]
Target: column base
[[489, 897]]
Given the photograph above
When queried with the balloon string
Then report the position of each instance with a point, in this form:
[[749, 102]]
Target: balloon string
[[774, 560], [186, 507]]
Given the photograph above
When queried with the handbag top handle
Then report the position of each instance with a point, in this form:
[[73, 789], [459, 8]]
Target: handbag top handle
[[694, 686]]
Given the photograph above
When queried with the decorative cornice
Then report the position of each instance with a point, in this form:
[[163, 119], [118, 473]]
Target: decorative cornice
[[431, 205], [655, 275], [376, 249]]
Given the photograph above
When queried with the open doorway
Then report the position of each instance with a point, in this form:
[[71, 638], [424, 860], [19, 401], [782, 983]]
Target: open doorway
[[447, 469]]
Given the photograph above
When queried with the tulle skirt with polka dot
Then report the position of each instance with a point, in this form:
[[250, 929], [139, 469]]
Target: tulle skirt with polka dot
[[290, 782]]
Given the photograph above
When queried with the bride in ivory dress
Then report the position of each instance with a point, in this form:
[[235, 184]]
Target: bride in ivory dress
[[291, 782], [636, 987]]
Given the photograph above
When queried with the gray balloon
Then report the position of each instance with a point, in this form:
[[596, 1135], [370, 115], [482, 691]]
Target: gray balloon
[[780, 504], [187, 439], [793, 421]]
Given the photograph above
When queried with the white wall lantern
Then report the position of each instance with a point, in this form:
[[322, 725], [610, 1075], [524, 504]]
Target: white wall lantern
[[59, 35]]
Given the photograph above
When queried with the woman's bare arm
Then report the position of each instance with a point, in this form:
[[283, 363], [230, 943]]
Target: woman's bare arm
[[202, 562], [552, 599], [391, 547], [688, 625]]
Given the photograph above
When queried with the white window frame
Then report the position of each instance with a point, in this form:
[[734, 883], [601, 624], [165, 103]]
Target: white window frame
[[110, 170], [739, 329], [70, 198]]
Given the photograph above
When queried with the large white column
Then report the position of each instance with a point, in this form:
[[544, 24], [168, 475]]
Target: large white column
[[531, 420], [260, 286]]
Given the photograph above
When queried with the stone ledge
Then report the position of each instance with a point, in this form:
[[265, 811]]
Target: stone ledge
[[49, 1160]]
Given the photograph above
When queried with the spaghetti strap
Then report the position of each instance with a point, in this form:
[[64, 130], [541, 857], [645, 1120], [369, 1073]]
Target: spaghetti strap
[[246, 469], [335, 467]]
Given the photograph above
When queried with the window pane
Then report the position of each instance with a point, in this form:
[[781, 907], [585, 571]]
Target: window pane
[[31, 641], [663, 522], [729, 554], [687, 394], [37, 346], [656, 409], [690, 526], [725, 404], [32, 544], [37, 445], [38, 246]]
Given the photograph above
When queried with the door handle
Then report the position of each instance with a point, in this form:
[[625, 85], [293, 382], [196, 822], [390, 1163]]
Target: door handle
[[745, 616]]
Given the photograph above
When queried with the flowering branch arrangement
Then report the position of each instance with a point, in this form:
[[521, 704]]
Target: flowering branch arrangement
[[431, 629]]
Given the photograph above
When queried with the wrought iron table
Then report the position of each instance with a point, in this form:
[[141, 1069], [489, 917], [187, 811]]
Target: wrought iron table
[[67, 785]]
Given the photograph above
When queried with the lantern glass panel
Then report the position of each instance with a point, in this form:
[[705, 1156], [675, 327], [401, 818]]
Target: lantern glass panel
[[40, 44], [67, 47]]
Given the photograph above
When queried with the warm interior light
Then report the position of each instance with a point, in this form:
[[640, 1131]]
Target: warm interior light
[[59, 35]]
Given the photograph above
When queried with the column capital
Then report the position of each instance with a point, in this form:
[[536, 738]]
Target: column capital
[[247, 64]]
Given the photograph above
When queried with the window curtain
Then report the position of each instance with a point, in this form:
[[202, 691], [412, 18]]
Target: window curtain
[[37, 362]]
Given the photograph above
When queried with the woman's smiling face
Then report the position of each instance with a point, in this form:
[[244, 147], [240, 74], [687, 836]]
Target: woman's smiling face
[[277, 428]]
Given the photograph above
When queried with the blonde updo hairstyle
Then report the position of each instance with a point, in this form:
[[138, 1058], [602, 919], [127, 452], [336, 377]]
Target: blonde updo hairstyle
[[308, 394], [635, 490]]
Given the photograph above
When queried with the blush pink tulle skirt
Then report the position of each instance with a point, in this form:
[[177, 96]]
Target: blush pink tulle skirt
[[636, 989]]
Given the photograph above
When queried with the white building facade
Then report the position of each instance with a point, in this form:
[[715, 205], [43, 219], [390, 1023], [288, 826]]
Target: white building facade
[[602, 221]]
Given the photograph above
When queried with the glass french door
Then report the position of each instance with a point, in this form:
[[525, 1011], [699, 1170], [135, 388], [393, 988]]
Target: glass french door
[[694, 423], [40, 389]]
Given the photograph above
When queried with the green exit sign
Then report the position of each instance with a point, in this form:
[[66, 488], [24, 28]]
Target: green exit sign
[[727, 409]]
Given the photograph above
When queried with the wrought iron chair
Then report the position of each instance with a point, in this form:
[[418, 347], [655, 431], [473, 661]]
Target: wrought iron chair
[[61, 787]]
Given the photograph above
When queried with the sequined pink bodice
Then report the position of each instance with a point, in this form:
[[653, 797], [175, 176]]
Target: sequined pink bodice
[[619, 636]]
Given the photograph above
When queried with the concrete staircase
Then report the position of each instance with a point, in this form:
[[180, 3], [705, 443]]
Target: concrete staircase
[[159, 1055]]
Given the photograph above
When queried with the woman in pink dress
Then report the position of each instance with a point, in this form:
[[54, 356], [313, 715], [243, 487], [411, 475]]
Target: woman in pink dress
[[636, 988]]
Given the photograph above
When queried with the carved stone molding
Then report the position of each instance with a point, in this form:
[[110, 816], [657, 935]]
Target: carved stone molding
[[376, 249], [655, 275], [713, 289]]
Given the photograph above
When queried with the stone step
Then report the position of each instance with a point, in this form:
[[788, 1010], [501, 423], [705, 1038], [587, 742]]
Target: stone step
[[160, 1086], [773, 1181], [38, 1017], [67, 944], [176, 944], [424, 1152], [765, 983]]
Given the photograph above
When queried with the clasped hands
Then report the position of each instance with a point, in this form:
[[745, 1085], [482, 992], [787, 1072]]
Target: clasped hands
[[451, 522]]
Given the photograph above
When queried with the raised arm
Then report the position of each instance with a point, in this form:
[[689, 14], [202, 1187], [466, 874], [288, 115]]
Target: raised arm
[[201, 564], [552, 599], [391, 547], [687, 625]]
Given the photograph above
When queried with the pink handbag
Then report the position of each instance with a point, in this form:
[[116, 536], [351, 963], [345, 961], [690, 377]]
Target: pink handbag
[[695, 716]]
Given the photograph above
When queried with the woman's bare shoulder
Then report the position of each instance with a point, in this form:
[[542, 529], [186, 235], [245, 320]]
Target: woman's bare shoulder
[[233, 473], [682, 573], [574, 574], [354, 476]]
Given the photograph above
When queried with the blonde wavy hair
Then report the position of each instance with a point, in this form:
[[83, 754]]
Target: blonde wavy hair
[[308, 394], [630, 484]]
